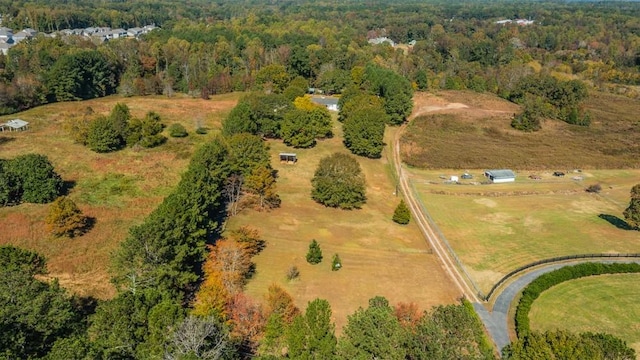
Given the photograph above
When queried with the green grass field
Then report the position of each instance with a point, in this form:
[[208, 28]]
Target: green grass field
[[499, 227], [606, 303]]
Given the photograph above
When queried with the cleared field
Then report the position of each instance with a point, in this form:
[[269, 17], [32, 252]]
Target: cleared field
[[456, 129], [499, 227], [379, 257], [606, 303], [117, 189]]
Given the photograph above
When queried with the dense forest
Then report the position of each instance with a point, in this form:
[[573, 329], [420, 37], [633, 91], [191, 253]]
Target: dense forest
[[179, 278]]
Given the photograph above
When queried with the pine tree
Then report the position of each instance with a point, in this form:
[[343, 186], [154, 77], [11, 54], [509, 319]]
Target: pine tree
[[402, 215], [314, 256], [632, 213], [336, 263]]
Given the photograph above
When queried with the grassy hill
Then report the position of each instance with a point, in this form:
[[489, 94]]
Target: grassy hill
[[117, 189], [464, 130]]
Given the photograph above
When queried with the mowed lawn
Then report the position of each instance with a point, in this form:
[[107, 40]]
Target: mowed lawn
[[379, 257], [498, 227], [605, 303], [117, 189]]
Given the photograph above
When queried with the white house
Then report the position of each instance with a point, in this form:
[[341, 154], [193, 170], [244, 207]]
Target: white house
[[330, 103], [500, 176]]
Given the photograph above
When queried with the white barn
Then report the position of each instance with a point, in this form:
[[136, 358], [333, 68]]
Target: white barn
[[500, 176]]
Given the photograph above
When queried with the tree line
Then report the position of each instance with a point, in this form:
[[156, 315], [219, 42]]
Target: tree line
[[223, 47]]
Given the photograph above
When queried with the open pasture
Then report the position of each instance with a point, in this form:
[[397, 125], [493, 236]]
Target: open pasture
[[117, 189], [495, 228], [605, 303], [379, 256]]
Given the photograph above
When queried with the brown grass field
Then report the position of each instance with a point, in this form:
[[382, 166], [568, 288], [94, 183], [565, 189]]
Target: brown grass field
[[379, 256], [460, 130], [121, 188], [117, 189]]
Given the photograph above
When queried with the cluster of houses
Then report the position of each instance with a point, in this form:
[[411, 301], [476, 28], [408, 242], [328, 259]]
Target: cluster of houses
[[101, 34], [521, 22]]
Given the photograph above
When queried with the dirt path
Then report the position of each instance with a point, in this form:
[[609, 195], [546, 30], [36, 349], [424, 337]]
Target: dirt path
[[434, 241]]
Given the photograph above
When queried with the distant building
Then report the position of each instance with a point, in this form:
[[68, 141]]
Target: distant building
[[381, 40], [14, 125], [331, 103], [500, 176]]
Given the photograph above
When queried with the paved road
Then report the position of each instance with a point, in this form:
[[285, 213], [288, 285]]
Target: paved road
[[496, 321]]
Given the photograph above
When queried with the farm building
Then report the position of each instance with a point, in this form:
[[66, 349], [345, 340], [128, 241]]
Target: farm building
[[500, 176], [14, 125], [289, 158]]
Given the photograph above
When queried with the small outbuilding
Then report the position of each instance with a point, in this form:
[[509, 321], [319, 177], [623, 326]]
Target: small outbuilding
[[289, 158], [14, 125], [453, 178], [500, 176]]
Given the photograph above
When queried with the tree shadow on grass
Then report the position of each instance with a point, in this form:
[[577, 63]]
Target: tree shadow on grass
[[67, 185], [4, 140], [615, 221]]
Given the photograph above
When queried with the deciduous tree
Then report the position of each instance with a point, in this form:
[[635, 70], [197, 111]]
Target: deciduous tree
[[339, 182], [65, 218]]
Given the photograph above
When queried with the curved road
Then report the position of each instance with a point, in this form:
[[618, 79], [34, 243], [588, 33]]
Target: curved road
[[495, 321]]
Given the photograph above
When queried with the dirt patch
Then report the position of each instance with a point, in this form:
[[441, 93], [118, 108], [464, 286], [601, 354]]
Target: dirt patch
[[486, 202]]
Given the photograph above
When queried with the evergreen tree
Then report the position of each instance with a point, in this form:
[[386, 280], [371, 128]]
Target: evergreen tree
[[103, 136], [36, 179], [632, 213], [33, 313], [373, 333], [336, 263], [402, 215], [314, 255], [312, 335]]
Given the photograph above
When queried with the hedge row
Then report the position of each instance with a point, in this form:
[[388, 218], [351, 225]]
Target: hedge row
[[548, 280]]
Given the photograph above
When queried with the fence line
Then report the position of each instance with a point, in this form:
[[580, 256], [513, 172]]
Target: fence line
[[556, 259], [444, 240]]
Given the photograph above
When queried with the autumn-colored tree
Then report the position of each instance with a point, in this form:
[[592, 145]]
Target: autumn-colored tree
[[304, 103], [232, 261], [262, 183], [407, 313], [280, 312], [280, 302], [65, 218], [212, 298], [249, 237], [247, 320]]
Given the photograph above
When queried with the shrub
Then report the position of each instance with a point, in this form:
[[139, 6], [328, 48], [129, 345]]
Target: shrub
[[293, 273], [314, 256], [177, 130], [65, 219], [103, 136], [548, 280], [336, 263], [595, 188], [402, 215], [201, 131], [35, 180]]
